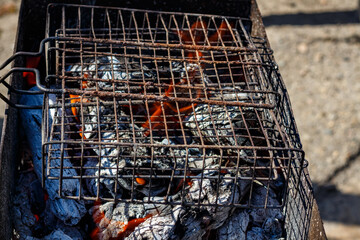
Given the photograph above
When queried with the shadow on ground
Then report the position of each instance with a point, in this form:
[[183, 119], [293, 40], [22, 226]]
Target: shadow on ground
[[335, 205], [342, 17]]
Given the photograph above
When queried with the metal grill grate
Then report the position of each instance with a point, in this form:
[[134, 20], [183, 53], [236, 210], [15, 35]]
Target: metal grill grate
[[165, 108]]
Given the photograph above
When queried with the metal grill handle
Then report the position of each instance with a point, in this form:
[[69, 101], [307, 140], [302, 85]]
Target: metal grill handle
[[23, 70], [17, 91]]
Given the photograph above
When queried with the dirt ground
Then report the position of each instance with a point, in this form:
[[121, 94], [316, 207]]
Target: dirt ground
[[317, 47]]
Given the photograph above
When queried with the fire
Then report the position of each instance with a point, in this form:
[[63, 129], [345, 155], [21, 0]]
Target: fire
[[197, 31], [188, 182], [76, 99], [36, 217], [223, 32], [156, 115], [31, 62], [140, 181], [130, 227], [126, 229], [195, 35]]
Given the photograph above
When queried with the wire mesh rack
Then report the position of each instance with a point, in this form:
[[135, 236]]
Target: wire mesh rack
[[150, 106], [166, 108]]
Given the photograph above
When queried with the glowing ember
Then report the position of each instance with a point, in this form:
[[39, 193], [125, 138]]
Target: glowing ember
[[122, 229], [195, 35], [140, 181], [31, 62]]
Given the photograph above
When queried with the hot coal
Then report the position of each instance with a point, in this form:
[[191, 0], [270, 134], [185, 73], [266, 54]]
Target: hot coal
[[235, 226], [70, 211], [160, 226], [108, 68], [58, 234], [220, 130], [33, 214], [120, 166], [260, 215], [23, 218], [113, 219], [206, 218]]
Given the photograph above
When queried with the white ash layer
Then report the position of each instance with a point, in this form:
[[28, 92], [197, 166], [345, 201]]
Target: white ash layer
[[235, 226], [220, 130], [100, 72], [227, 128]]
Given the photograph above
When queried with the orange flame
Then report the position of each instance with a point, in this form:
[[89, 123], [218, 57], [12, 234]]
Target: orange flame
[[31, 62], [76, 99], [223, 31], [188, 182], [127, 229], [140, 181], [196, 34]]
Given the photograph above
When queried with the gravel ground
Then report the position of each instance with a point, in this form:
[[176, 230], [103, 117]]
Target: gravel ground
[[8, 25], [317, 47]]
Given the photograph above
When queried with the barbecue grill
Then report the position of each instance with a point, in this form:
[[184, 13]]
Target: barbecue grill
[[157, 107]]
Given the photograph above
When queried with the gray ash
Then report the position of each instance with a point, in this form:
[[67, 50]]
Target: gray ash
[[189, 163]]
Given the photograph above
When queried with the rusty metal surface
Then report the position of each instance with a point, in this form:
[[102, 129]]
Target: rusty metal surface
[[304, 213], [8, 149], [135, 79], [289, 131]]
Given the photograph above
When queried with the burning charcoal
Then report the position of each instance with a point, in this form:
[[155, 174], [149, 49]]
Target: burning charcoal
[[196, 159], [171, 198], [160, 226], [272, 228], [109, 169], [194, 225], [68, 210], [23, 218], [111, 159], [157, 187], [192, 71], [169, 154], [258, 198], [58, 235], [31, 122], [235, 226], [207, 195], [110, 132], [256, 233], [135, 221], [114, 220], [91, 167], [195, 155], [183, 74], [109, 155], [221, 124], [110, 68], [71, 231], [205, 192]]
